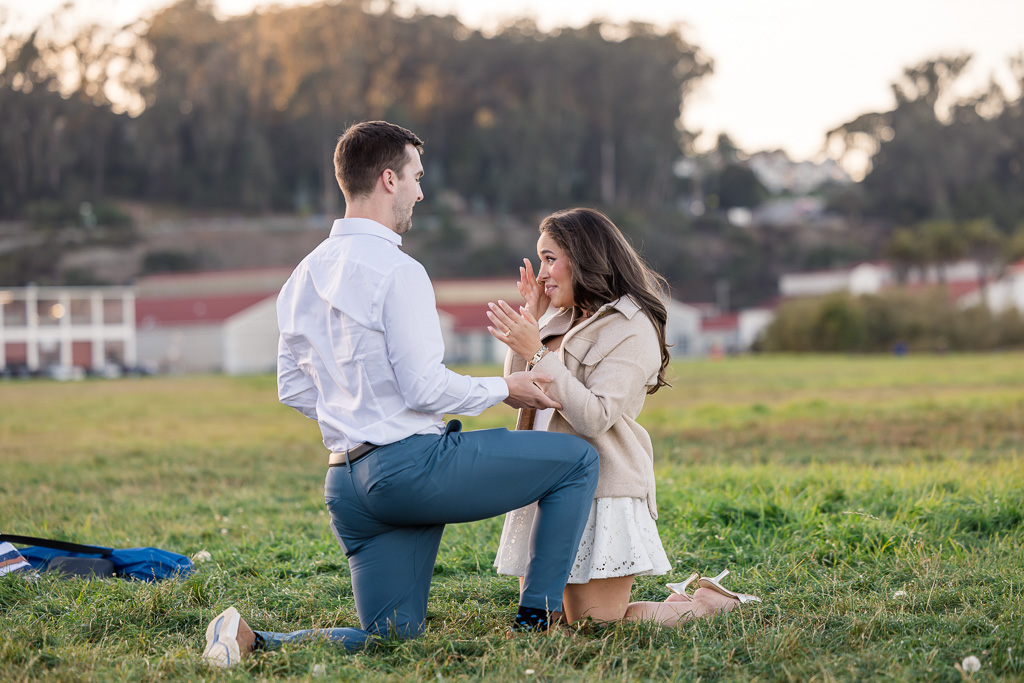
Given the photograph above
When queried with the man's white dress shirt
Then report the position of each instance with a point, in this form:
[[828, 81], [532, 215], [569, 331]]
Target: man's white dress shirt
[[361, 347]]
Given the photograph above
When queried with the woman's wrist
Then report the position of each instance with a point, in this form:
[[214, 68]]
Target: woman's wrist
[[541, 352]]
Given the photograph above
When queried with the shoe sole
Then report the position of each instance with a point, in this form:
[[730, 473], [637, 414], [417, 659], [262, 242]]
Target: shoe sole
[[743, 598], [222, 640]]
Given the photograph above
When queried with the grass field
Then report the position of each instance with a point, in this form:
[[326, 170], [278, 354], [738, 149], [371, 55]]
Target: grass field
[[875, 504]]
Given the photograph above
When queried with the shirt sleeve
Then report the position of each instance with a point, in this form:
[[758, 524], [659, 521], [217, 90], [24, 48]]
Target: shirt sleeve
[[415, 349], [294, 387]]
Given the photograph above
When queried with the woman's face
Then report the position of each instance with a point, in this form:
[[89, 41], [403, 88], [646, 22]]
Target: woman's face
[[555, 272]]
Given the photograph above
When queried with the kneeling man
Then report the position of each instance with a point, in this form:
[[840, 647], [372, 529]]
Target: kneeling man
[[361, 353]]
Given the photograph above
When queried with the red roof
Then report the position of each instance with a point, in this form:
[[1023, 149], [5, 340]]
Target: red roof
[[460, 281], [217, 274], [467, 317], [194, 309], [956, 290], [721, 323], [845, 270]]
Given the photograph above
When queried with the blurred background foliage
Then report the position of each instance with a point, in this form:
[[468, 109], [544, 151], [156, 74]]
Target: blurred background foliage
[[243, 113], [185, 113], [895, 321]]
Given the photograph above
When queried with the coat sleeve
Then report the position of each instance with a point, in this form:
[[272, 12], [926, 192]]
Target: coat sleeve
[[621, 367]]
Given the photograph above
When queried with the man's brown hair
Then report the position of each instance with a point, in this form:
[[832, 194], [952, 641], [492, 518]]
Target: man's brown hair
[[365, 150]]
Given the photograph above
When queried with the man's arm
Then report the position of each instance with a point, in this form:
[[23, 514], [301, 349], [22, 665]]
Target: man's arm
[[415, 348], [294, 387]]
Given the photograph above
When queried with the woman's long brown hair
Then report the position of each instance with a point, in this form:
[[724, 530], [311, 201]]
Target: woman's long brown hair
[[605, 267]]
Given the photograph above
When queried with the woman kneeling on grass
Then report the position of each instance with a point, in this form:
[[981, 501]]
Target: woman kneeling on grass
[[606, 350]]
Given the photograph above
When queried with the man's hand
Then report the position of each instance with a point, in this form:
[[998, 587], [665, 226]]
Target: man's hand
[[524, 390]]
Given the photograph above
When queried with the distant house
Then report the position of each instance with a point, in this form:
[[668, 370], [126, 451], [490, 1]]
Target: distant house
[[1005, 293], [960, 279], [234, 333], [682, 331], [720, 335], [226, 321], [723, 333], [223, 321], [89, 328], [752, 322], [865, 278], [462, 307]]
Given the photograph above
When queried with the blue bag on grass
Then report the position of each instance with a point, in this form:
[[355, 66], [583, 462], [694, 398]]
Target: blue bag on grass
[[144, 564]]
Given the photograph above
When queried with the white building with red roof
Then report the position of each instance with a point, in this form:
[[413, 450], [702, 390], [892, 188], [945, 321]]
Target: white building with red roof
[[222, 321], [462, 308], [226, 321], [61, 328], [864, 278], [1005, 293], [721, 334], [965, 283]]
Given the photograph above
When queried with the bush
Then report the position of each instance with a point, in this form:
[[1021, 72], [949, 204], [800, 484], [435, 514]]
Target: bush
[[65, 214], [52, 214], [170, 261], [839, 325], [919, 321], [111, 216]]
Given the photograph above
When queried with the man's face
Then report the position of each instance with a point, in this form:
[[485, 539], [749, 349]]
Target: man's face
[[408, 190]]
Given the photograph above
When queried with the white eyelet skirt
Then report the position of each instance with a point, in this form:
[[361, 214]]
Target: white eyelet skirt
[[621, 539]]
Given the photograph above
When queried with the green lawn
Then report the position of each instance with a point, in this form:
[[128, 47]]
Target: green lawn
[[876, 504]]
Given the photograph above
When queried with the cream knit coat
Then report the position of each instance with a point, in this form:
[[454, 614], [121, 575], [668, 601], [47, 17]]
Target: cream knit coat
[[601, 375]]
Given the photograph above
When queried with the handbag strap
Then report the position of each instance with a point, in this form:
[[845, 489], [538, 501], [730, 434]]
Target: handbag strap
[[56, 545], [526, 419]]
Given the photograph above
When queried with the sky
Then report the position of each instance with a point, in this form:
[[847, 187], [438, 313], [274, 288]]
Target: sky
[[785, 71]]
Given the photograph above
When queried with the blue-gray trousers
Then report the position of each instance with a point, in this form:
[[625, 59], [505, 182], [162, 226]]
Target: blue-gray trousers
[[388, 511]]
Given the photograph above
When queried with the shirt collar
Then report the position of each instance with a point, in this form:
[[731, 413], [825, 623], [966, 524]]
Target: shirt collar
[[364, 226]]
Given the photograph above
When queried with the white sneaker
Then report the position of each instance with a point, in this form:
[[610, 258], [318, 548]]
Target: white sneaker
[[222, 640]]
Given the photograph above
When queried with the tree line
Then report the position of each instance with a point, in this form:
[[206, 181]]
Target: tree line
[[242, 113], [185, 109], [946, 172]]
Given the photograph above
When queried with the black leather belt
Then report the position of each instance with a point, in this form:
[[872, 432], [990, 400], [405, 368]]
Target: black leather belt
[[352, 455]]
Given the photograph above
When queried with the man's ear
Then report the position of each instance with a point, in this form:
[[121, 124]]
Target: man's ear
[[389, 179]]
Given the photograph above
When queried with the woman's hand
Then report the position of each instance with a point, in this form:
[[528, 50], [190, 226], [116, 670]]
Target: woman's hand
[[532, 291], [519, 331]]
